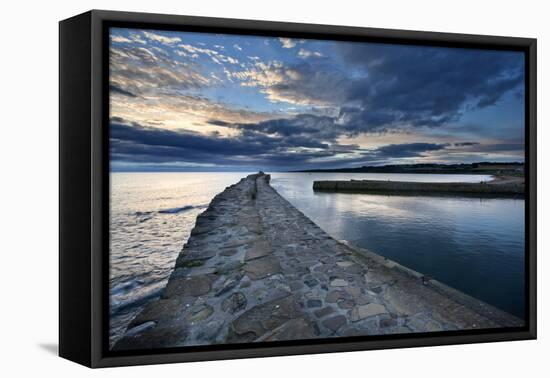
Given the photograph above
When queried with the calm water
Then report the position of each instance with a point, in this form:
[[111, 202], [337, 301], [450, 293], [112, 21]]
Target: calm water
[[475, 245]]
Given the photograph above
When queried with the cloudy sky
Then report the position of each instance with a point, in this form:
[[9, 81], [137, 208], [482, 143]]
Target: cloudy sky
[[195, 101]]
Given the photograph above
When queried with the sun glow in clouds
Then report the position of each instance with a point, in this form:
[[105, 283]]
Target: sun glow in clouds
[[225, 102]]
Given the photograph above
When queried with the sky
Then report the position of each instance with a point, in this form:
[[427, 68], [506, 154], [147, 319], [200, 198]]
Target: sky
[[183, 101]]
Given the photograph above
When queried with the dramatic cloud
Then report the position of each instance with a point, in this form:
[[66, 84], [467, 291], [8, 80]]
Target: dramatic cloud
[[142, 70], [409, 149], [303, 53], [180, 111], [120, 39], [198, 100], [288, 43], [302, 84], [136, 143], [161, 38], [465, 144], [307, 125], [384, 86], [498, 147], [426, 86], [117, 90]]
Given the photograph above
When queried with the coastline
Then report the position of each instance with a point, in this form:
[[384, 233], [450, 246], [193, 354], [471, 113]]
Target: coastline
[[256, 269]]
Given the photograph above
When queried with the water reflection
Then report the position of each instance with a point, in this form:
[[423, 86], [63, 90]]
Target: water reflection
[[473, 244]]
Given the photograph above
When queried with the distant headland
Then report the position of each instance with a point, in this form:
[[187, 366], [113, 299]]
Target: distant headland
[[492, 168]]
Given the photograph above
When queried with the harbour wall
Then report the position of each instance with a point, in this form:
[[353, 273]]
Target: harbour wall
[[510, 187]]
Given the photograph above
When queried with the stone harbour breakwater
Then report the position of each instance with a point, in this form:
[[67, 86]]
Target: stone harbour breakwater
[[511, 186], [255, 269]]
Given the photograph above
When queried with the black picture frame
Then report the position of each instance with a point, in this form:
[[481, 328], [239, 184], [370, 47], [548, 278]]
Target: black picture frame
[[84, 187]]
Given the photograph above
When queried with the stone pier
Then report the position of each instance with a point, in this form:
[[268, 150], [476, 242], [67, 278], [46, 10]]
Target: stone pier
[[256, 269], [505, 187]]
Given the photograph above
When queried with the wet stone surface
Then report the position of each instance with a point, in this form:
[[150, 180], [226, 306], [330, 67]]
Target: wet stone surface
[[256, 269]]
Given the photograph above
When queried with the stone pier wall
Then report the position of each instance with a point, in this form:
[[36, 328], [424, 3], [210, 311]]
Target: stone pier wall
[[256, 269], [511, 187]]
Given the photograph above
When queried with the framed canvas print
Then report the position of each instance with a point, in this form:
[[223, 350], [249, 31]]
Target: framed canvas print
[[234, 188]]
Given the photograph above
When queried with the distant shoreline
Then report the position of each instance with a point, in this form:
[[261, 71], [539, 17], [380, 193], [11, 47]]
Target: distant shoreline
[[481, 168]]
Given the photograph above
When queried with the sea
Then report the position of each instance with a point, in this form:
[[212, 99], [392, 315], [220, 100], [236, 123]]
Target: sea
[[473, 244]]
